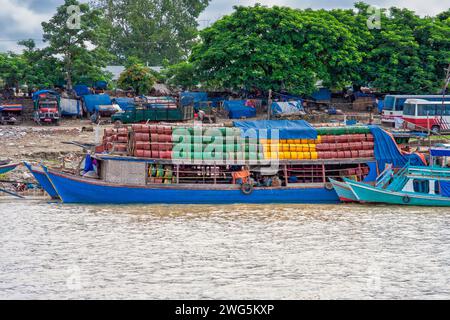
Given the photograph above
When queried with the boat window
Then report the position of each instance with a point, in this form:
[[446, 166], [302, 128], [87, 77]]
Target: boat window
[[422, 186], [400, 103], [437, 187]]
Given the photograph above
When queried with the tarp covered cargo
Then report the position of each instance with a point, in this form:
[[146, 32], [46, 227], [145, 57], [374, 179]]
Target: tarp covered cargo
[[287, 129], [387, 151], [445, 188], [188, 98], [323, 94], [124, 103], [70, 107], [237, 109], [93, 101], [40, 92], [440, 152], [291, 107], [81, 90]]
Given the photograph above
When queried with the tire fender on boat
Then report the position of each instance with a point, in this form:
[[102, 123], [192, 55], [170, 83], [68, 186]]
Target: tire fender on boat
[[329, 186], [406, 199], [247, 189]]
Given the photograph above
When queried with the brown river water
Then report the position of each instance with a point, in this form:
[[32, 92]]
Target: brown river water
[[54, 251]]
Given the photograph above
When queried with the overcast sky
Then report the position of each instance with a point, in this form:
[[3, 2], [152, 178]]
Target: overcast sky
[[21, 19]]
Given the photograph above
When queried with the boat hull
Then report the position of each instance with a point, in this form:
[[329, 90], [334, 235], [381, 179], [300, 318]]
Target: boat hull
[[370, 194], [79, 190], [344, 192], [8, 168], [42, 179]]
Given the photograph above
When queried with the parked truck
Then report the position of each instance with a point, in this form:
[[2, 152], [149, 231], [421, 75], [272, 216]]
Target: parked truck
[[47, 107], [154, 109]]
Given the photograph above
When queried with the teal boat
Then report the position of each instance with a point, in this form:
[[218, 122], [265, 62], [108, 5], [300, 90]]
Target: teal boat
[[8, 167], [346, 193], [413, 186]]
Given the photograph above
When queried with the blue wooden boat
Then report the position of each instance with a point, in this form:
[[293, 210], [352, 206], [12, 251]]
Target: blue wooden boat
[[73, 189], [8, 167], [39, 174], [413, 186]]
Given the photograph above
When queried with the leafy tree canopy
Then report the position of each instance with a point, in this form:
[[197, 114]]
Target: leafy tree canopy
[[137, 77]]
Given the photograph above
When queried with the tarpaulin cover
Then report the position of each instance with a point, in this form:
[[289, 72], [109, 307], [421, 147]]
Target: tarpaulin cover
[[387, 151], [445, 188], [12, 108], [70, 107], [81, 90], [237, 109], [287, 129], [125, 103], [322, 94], [92, 101], [37, 93], [193, 97], [440, 152], [101, 85], [287, 107]]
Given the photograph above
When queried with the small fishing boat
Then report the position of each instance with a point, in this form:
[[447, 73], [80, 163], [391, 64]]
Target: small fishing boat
[[413, 186], [39, 174], [346, 193], [5, 168]]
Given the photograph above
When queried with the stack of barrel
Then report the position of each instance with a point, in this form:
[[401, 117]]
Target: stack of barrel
[[215, 144], [116, 140], [346, 146], [298, 149], [152, 141]]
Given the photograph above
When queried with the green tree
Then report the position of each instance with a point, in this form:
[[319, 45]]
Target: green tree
[[80, 47], [12, 69], [152, 30], [181, 75], [276, 48], [137, 77]]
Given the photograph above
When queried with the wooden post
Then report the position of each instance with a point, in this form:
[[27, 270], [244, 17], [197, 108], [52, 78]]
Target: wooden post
[[178, 173], [286, 178], [324, 176], [269, 105]]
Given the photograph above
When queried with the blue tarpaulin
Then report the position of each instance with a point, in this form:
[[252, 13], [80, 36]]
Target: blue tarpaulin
[[37, 93], [125, 103], [81, 90], [238, 110], [287, 107], [287, 129], [387, 151], [193, 97], [323, 94], [92, 101]]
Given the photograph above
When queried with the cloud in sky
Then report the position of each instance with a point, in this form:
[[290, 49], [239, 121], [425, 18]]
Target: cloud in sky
[[21, 19]]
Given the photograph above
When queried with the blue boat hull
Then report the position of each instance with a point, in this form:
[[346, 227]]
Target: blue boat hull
[[367, 193], [78, 190], [43, 180], [344, 192]]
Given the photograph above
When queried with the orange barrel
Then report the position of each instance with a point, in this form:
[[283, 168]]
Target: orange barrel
[[139, 153], [141, 137], [294, 155], [306, 155], [153, 129], [266, 156], [274, 155], [297, 141], [140, 145], [290, 141], [154, 137], [292, 148], [314, 156], [312, 147], [155, 154], [318, 140]]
